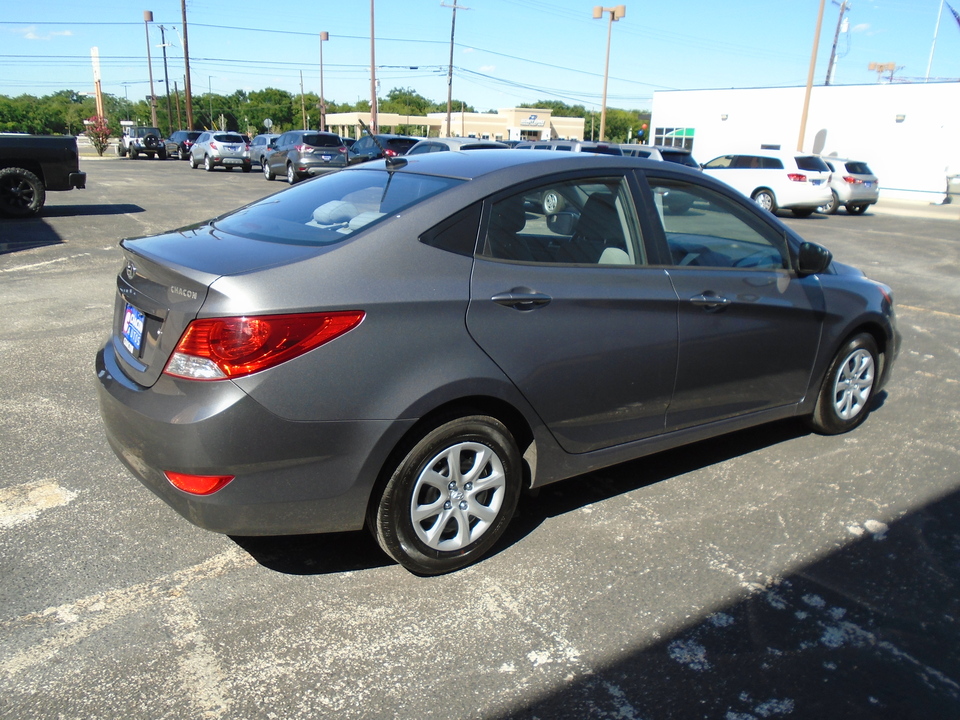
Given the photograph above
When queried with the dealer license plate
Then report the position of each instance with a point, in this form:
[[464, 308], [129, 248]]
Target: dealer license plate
[[132, 331]]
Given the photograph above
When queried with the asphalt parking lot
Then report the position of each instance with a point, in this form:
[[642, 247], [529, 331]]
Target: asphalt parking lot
[[767, 574]]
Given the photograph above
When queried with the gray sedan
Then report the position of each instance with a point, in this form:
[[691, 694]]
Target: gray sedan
[[408, 344]]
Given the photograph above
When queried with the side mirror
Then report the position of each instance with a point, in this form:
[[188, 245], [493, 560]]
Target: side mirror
[[563, 222], [813, 259]]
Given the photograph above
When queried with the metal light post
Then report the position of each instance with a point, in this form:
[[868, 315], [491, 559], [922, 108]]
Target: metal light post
[[147, 19], [323, 104], [615, 14], [453, 29], [166, 79], [374, 125]]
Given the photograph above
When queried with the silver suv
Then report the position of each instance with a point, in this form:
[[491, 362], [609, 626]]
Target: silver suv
[[571, 146], [224, 149], [853, 185]]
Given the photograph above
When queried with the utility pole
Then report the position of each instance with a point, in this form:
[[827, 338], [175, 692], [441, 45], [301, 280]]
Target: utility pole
[[147, 19], [166, 80], [186, 65], [832, 65], [323, 104], [374, 125], [813, 66], [453, 30], [615, 14]]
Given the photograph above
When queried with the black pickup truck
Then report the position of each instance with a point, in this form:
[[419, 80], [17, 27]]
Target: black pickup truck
[[32, 164]]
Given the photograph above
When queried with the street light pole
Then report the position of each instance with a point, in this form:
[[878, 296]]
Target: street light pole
[[374, 126], [166, 79], [453, 29], [147, 19], [323, 103], [615, 14]]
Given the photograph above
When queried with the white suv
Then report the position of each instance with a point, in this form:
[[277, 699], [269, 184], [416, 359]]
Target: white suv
[[792, 181], [853, 184]]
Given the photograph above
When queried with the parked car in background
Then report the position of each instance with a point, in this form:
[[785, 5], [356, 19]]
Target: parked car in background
[[136, 141], [299, 154], [180, 142], [30, 165], [220, 149], [774, 180], [403, 346], [431, 145], [853, 185], [667, 153], [366, 148], [570, 146], [259, 146]]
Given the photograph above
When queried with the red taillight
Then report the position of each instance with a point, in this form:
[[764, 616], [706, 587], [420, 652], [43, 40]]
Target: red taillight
[[797, 177], [197, 484], [852, 180], [213, 145], [220, 348], [390, 153], [342, 150]]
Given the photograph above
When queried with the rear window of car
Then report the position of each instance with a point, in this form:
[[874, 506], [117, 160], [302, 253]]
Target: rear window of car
[[812, 163], [229, 138], [401, 145], [602, 149], [681, 158], [858, 168], [320, 140], [333, 207]]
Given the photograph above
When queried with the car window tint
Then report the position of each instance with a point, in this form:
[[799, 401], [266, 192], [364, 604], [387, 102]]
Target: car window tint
[[719, 163], [704, 228], [812, 163], [858, 168], [227, 138], [457, 234], [571, 222], [332, 207], [771, 163], [319, 140]]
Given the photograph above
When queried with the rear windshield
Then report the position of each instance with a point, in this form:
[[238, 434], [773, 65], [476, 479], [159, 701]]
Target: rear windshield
[[811, 163], [681, 158], [603, 149], [331, 208], [401, 145], [321, 140], [144, 131], [229, 138], [858, 168]]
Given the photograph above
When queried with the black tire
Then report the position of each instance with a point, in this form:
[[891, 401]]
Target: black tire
[[802, 212], [847, 390], [247, 168], [193, 162], [856, 209], [184, 153], [765, 199], [121, 150], [162, 154], [432, 517], [267, 172], [21, 193], [207, 163], [134, 152], [291, 175], [831, 207]]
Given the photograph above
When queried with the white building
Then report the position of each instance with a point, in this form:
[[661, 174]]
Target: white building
[[909, 134]]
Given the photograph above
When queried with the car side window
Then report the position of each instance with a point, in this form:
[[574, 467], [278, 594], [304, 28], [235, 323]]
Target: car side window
[[584, 222], [704, 228]]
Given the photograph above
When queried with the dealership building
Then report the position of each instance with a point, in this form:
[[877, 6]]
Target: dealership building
[[908, 133], [505, 124]]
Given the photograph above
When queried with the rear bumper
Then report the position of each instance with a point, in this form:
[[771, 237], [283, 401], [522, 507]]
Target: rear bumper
[[77, 180], [290, 477]]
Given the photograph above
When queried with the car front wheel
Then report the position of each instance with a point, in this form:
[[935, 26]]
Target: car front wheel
[[765, 199], [451, 497], [847, 388]]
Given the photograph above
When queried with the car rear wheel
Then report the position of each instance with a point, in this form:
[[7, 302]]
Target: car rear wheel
[[207, 163], [856, 209], [193, 162], [267, 172], [765, 199], [162, 154], [451, 496], [847, 388], [184, 153], [831, 207], [21, 192], [291, 174]]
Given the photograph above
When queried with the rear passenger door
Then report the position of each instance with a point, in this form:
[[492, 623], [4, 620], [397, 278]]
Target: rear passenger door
[[569, 308]]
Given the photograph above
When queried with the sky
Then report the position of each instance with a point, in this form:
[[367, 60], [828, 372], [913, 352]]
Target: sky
[[507, 53]]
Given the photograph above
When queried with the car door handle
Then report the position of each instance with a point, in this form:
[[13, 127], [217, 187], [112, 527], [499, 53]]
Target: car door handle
[[710, 301], [521, 299]]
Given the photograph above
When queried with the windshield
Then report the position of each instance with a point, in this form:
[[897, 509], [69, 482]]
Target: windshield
[[229, 138], [331, 208]]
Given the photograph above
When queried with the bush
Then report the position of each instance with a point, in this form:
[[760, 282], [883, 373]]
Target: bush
[[99, 133]]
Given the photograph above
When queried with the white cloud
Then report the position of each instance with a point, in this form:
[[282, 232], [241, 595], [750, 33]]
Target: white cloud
[[488, 68], [862, 27], [30, 33]]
